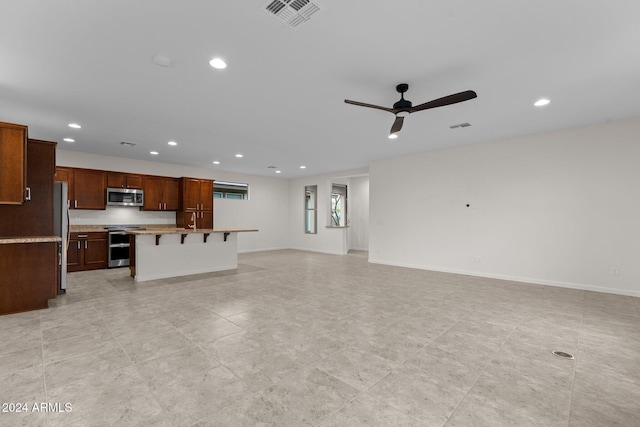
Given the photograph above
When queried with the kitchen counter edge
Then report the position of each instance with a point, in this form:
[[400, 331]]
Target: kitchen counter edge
[[29, 239]]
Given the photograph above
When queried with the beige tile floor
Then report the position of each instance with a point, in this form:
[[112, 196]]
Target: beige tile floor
[[294, 339]]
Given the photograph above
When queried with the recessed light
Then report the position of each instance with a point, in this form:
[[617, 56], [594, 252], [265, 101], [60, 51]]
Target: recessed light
[[218, 64], [239, 155], [278, 171], [541, 102], [215, 162], [74, 125], [155, 153], [303, 167], [393, 136], [173, 143], [69, 140]]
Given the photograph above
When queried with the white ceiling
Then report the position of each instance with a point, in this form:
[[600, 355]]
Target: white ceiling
[[280, 102]]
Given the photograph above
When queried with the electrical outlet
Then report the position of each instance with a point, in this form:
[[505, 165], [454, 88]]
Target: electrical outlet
[[475, 259], [615, 272]]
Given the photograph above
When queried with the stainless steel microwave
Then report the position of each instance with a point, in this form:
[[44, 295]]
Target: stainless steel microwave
[[124, 197]]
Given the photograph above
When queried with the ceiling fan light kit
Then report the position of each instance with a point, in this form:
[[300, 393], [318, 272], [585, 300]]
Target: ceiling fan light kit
[[403, 107]]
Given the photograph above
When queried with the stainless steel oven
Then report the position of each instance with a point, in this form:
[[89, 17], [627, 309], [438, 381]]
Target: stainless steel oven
[[119, 245]]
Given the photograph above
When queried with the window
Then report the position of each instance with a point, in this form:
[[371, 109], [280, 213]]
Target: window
[[310, 213], [230, 190], [338, 205]]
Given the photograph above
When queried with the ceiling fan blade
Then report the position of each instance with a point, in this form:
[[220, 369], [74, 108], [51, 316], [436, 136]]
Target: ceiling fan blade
[[447, 100], [362, 104], [397, 125]]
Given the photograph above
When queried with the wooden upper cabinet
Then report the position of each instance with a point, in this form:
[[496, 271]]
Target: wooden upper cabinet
[[64, 174], [123, 180], [13, 163], [160, 193], [171, 190], [89, 189], [206, 195], [190, 194]]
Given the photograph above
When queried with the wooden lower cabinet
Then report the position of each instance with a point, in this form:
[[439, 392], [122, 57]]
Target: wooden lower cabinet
[[88, 251], [28, 273]]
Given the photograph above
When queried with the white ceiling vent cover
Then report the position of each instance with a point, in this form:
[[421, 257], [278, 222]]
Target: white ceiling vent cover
[[291, 12]]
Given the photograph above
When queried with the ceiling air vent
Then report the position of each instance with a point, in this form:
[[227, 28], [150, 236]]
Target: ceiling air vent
[[127, 144], [461, 125], [291, 12]]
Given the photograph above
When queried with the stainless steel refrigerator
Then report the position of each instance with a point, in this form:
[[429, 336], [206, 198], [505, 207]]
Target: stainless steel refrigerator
[[61, 229]]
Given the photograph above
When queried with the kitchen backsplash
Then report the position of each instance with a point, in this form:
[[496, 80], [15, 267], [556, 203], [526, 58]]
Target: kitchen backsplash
[[119, 215]]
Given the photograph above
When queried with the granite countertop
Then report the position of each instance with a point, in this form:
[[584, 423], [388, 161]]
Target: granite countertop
[[175, 230], [103, 228], [29, 239]]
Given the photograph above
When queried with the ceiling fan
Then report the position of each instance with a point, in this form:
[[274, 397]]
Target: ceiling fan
[[403, 108]]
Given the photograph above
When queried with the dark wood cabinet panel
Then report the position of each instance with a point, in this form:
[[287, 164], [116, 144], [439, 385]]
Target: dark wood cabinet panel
[[73, 253], [64, 174], [88, 251], [123, 180], [171, 190], [13, 163], [190, 194], [160, 193], [28, 274], [89, 189], [34, 217], [206, 195], [196, 197]]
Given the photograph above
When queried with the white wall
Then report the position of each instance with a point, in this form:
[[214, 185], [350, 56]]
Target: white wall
[[328, 240], [560, 208], [266, 209], [358, 200]]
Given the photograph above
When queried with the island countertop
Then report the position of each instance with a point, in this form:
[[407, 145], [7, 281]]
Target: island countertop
[[167, 230]]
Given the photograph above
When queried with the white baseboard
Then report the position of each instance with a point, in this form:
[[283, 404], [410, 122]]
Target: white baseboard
[[248, 251], [534, 281], [319, 251]]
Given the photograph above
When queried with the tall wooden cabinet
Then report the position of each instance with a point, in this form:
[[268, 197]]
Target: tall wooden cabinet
[[28, 271], [13, 164], [33, 217], [196, 203]]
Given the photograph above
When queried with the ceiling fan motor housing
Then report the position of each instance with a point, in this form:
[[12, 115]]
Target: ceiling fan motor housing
[[403, 104]]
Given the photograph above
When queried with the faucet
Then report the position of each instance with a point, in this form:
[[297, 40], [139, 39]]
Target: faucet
[[193, 219]]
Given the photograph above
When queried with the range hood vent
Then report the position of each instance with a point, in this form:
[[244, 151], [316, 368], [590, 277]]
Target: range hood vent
[[291, 12]]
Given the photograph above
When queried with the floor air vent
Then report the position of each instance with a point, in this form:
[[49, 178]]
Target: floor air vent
[[291, 12]]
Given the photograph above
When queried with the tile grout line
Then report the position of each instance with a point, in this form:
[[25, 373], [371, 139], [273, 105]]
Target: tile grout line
[[575, 368], [349, 402], [482, 371], [165, 412], [44, 369]]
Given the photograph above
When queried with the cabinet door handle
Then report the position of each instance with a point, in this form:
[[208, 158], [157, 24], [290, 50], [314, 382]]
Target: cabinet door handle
[[82, 235], [28, 195], [159, 206], [75, 203], [165, 206], [85, 244]]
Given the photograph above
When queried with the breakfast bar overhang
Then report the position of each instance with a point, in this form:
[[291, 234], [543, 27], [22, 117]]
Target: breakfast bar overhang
[[163, 253]]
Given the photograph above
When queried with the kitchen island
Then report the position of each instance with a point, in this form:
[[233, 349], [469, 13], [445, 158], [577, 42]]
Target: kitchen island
[[170, 252]]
